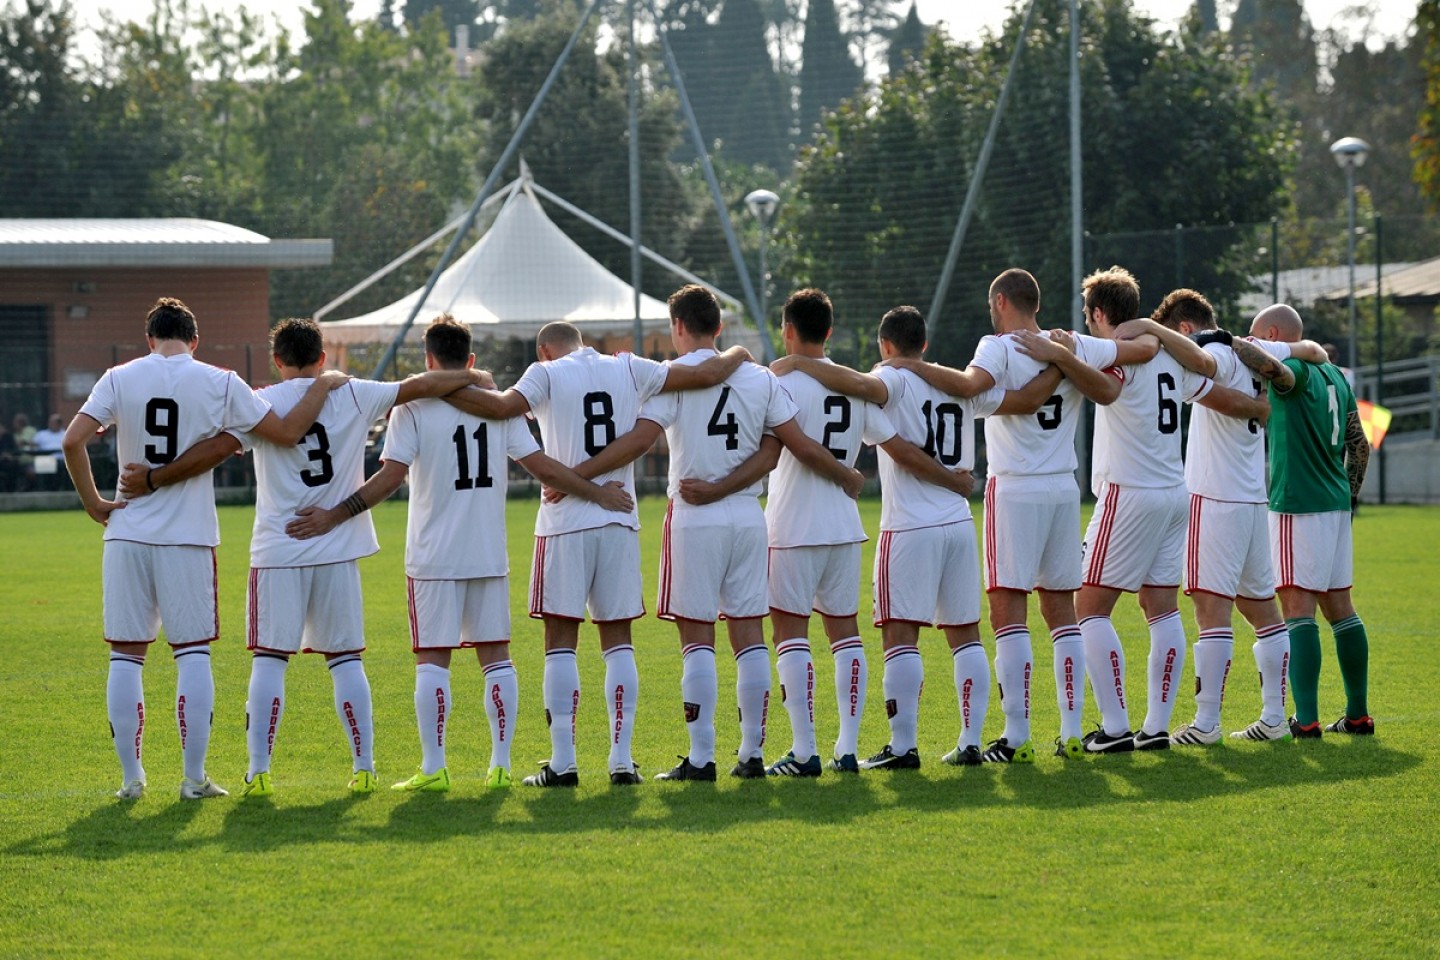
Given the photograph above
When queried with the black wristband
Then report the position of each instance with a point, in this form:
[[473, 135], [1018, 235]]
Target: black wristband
[[149, 484], [356, 504]]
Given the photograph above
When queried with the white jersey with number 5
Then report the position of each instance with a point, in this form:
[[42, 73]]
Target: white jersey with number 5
[[944, 427], [1225, 457], [163, 406], [805, 509], [1137, 438], [459, 471], [712, 431], [325, 467], [583, 401], [1043, 442]]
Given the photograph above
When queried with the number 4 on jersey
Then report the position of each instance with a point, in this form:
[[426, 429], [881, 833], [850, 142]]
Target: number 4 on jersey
[[728, 427]]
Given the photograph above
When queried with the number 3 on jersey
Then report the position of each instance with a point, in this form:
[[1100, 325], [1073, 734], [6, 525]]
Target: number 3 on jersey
[[728, 427], [319, 454]]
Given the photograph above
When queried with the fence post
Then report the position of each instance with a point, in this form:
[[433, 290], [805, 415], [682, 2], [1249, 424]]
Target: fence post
[[1380, 339], [1274, 259], [1179, 256]]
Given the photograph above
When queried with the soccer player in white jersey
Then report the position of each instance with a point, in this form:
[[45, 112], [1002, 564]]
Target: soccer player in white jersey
[[1032, 504], [587, 560], [713, 561], [1227, 552], [305, 594], [457, 582], [1136, 539], [159, 560], [926, 571]]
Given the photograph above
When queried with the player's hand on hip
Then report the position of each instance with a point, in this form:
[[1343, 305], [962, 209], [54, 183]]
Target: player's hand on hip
[[101, 511], [334, 379], [133, 481], [311, 522], [697, 493], [854, 483], [964, 482], [615, 499]]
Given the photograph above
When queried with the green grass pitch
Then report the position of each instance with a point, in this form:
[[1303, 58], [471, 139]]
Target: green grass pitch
[[1286, 850]]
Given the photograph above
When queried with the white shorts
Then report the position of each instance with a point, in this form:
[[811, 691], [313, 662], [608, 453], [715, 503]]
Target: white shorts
[[445, 614], [306, 609], [1136, 538], [928, 575], [1312, 551], [596, 570], [825, 579], [1227, 551], [1032, 527], [145, 585], [712, 568]]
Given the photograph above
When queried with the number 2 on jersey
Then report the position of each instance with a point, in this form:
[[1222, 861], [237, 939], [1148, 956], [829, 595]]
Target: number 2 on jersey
[[840, 424], [482, 478], [729, 427]]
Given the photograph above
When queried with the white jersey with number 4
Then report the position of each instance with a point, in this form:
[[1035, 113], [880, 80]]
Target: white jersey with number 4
[[1040, 443], [459, 472], [583, 401], [1225, 456], [713, 431], [1137, 437], [805, 509], [944, 427], [325, 467], [163, 406]]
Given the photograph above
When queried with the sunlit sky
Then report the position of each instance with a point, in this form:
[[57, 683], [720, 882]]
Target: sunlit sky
[[965, 18]]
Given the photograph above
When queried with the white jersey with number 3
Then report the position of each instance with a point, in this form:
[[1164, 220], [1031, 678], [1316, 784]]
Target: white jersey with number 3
[[1137, 438], [713, 431], [1225, 456], [805, 509], [163, 406], [325, 467], [583, 401], [1040, 443], [944, 427], [458, 479]]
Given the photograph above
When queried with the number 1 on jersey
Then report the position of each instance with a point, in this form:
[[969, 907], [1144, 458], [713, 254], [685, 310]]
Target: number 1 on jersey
[[482, 478]]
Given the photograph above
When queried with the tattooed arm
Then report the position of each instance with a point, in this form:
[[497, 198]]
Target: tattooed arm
[[1281, 377], [1357, 453]]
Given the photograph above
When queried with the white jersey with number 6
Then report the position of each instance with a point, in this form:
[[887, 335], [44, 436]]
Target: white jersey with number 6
[[583, 401], [712, 431], [459, 474], [1137, 438], [1034, 444], [325, 467], [163, 406], [1225, 456], [944, 427], [805, 509]]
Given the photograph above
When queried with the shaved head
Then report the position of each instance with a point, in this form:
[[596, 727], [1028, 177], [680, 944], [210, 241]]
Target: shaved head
[[557, 339], [1278, 322]]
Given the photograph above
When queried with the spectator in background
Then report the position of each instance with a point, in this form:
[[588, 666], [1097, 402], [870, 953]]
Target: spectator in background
[[48, 475], [9, 460], [24, 435], [48, 440]]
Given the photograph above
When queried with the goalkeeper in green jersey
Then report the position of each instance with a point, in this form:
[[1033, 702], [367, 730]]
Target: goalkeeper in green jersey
[[1318, 455]]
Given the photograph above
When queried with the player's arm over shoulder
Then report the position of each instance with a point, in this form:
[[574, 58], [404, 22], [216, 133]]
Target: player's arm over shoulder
[[835, 377], [1282, 375]]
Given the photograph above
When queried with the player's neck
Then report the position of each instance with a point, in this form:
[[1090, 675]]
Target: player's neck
[[813, 350], [1014, 323], [171, 348], [701, 343], [300, 373]]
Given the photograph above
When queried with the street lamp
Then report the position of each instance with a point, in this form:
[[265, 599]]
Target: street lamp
[[762, 205], [1350, 154]]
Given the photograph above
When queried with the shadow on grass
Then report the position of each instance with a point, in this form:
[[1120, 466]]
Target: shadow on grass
[[113, 830]]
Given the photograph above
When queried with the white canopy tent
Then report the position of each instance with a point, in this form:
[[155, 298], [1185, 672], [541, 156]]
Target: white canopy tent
[[523, 273]]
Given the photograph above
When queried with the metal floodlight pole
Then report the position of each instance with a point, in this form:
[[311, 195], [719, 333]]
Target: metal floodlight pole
[[485, 189], [1350, 154], [972, 193], [633, 91], [728, 228], [1077, 231], [762, 205], [1380, 338]]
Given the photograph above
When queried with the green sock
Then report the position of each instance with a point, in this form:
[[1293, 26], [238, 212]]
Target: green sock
[[1305, 668], [1352, 650]]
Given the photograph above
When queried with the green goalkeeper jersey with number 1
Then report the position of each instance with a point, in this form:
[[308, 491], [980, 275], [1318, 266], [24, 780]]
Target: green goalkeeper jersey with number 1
[[1307, 441]]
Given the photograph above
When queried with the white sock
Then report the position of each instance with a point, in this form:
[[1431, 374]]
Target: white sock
[[352, 706], [902, 683], [1105, 666], [1213, 652], [264, 707], [562, 698], [1069, 653], [852, 677], [432, 710], [502, 702], [699, 688], [797, 689], [1272, 656], [752, 694], [622, 690], [1166, 664], [972, 690], [1014, 662], [125, 703], [194, 706]]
